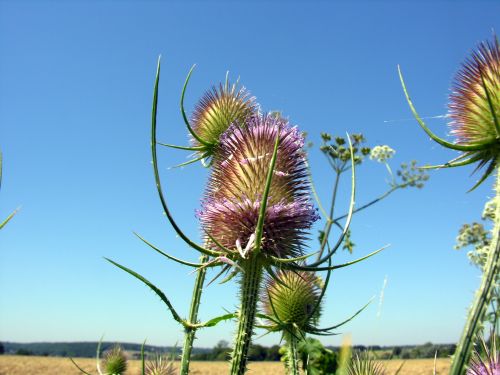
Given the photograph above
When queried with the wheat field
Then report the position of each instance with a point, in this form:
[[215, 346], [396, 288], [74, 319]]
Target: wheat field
[[32, 365]]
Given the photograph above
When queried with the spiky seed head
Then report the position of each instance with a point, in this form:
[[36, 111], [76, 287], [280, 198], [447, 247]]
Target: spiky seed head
[[293, 299], [362, 364], [115, 361], [474, 106], [218, 109], [231, 205], [160, 365], [490, 363], [472, 119]]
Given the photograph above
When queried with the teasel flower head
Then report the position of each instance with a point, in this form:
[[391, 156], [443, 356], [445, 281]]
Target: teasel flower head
[[362, 364], [293, 301], [230, 208], [160, 365], [217, 110], [474, 110], [115, 361], [490, 363]]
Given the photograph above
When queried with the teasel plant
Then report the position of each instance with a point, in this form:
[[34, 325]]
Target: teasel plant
[[3, 223], [255, 213], [214, 102], [474, 110], [218, 108], [266, 199], [292, 305]]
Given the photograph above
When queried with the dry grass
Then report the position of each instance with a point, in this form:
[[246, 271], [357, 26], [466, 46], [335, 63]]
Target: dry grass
[[418, 366], [21, 365]]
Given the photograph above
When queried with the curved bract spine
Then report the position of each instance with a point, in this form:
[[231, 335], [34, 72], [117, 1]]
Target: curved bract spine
[[157, 174]]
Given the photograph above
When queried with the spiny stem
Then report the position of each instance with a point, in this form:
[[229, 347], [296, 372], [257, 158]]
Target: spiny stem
[[190, 332], [483, 295], [293, 356], [250, 285]]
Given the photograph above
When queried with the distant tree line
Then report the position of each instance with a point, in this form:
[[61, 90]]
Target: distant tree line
[[222, 350], [219, 352]]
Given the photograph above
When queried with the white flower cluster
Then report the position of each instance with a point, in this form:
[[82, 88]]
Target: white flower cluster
[[382, 153], [489, 209]]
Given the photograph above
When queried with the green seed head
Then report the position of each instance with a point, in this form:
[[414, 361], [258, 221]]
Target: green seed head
[[115, 362], [218, 109], [293, 300]]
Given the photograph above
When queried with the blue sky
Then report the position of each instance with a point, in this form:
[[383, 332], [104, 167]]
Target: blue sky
[[76, 83]]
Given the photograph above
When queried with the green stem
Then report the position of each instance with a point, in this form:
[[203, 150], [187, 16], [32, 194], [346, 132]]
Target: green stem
[[190, 332], [329, 219], [293, 356], [250, 285], [482, 298]]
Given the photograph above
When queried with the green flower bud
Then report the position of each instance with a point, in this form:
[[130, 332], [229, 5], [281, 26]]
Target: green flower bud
[[115, 362], [294, 299]]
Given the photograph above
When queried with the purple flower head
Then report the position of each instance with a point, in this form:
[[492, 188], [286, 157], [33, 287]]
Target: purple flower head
[[472, 117], [230, 209], [218, 109]]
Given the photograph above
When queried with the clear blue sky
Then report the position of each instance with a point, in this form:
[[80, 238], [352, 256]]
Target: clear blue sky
[[76, 83]]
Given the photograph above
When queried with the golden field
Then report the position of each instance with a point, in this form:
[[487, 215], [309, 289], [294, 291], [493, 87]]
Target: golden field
[[31, 365]]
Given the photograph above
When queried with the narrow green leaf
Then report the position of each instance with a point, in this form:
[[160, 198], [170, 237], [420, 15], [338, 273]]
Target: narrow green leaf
[[78, 367], [308, 268], [187, 148], [348, 319], [183, 112], [157, 174], [155, 289], [265, 195], [291, 260], [186, 263], [190, 161], [213, 322]]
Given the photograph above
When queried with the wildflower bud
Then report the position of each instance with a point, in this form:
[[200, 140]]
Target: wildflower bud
[[294, 299], [218, 109], [115, 362], [382, 153]]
